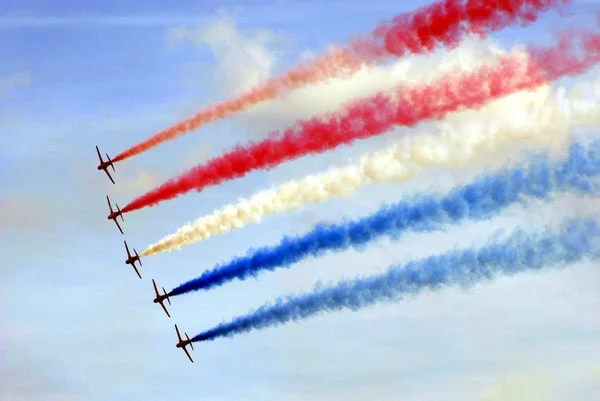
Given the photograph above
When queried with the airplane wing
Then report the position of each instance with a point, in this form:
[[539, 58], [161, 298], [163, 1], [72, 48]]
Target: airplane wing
[[165, 309], [99, 155], [109, 205], [188, 354], [136, 270], [156, 291], [108, 174], [127, 248], [178, 335], [117, 223]]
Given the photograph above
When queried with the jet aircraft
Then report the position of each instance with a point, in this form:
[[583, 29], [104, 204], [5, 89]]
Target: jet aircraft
[[113, 215], [161, 298], [182, 344], [132, 259], [105, 164]]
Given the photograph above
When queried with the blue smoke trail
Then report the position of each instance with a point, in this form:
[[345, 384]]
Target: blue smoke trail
[[575, 240], [488, 195]]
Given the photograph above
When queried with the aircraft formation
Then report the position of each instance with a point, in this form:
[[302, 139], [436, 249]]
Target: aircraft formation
[[104, 165], [443, 23]]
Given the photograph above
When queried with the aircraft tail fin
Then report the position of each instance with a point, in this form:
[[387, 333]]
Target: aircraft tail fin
[[190, 341], [111, 162], [138, 256], [165, 292]]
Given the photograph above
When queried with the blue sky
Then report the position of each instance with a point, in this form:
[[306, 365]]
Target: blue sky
[[79, 324]]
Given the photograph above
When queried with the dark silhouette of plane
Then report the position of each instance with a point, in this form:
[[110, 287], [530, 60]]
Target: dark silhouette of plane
[[161, 298], [132, 259], [113, 215], [182, 344], [104, 165]]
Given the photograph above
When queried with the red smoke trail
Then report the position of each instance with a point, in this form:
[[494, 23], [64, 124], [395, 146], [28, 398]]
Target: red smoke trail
[[375, 115], [441, 23]]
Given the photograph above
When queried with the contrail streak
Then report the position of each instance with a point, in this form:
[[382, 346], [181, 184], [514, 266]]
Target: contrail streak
[[443, 23], [574, 54], [517, 120], [483, 198], [577, 239]]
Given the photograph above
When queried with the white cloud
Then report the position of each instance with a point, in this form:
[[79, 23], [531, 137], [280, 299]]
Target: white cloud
[[243, 59]]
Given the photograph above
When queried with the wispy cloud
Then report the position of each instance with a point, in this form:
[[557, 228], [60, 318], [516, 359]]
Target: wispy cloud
[[244, 58]]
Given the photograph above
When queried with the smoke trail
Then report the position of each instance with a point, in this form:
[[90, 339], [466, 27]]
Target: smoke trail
[[526, 118], [574, 241], [442, 23], [485, 197], [374, 116]]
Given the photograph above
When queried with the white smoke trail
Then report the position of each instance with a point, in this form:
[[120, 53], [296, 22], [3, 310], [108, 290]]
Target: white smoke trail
[[496, 130]]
